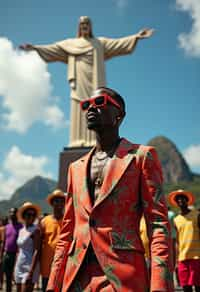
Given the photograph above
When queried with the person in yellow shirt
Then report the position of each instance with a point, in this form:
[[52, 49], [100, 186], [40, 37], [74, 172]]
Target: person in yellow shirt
[[145, 239], [50, 229], [187, 224]]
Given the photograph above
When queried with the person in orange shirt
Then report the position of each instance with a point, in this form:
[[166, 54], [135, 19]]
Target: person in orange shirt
[[50, 228]]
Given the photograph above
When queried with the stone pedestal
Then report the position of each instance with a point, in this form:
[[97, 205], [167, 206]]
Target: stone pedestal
[[68, 155]]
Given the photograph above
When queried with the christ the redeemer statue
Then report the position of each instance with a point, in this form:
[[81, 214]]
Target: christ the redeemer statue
[[85, 56]]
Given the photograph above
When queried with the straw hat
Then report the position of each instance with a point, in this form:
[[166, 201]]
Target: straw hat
[[172, 197], [55, 194], [24, 207]]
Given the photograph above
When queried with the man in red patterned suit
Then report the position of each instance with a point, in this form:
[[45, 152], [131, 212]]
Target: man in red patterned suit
[[109, 189]]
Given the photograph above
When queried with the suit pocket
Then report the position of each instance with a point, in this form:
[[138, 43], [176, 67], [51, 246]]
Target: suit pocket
[[72, 247], [122, 241]]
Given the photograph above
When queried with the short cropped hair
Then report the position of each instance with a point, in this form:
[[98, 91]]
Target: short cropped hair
[[116, 96]]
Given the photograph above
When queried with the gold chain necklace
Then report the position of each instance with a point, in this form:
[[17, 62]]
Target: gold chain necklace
[[99, 157], [99, 178]]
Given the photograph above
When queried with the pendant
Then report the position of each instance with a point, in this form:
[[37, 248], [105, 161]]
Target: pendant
[[101, 155], [98, 181]]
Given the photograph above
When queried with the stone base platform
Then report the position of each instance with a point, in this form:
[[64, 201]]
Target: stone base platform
[[68, 155]]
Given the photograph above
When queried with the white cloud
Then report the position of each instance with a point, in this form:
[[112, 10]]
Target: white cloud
[[54, 115], [190, 42], [121, 3], [17, 168], [192, 155], [26, 90]]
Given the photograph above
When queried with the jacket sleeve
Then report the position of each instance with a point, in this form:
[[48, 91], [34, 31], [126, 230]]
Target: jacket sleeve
[[156, 216], [64, 242]]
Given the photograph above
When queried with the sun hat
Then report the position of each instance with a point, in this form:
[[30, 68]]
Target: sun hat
[[55, 194], [172, 197], [26, 206]]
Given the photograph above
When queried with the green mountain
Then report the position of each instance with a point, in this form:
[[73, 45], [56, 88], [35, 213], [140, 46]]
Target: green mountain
[[176, 172], [175, 168], [34, 190]]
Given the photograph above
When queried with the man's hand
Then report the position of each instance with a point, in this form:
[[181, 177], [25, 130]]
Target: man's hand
[[145, 33], [26, 47]]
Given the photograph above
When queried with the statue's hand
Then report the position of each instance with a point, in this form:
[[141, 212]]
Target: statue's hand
[[26, 47], [145, 33]]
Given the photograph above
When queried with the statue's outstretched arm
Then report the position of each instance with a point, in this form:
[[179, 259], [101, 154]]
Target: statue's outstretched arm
[[124, 45], [49, 53]]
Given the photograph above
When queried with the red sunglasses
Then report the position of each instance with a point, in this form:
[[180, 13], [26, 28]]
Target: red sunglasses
[[98, 101]]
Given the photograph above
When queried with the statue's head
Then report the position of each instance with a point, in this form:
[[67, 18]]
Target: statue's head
[[85, 27]]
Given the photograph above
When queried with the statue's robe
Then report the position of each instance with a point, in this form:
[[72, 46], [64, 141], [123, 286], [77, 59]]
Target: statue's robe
[[86, 72]]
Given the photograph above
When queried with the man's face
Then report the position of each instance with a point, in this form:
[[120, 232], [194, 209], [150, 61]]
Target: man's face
[[85, 28], [182, 201], [102, 118], [58, 204], [29, 216]]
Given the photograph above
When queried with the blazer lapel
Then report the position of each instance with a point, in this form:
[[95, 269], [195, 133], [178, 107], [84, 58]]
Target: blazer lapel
[[119, 163], [83, 191]]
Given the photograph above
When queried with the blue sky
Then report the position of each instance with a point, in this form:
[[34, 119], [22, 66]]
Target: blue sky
[[159, 81]]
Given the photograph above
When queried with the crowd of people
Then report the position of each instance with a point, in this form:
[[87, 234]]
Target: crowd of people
[[27, 244]]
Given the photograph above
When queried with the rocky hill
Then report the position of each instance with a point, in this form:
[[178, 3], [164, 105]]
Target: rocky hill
[[176, 172], [175, 168], [34, 190]]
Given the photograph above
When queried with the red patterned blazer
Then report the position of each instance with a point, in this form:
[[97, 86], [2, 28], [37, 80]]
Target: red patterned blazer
[[131, 187]]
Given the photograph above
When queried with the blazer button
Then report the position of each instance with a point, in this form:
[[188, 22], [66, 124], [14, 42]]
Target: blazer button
[[92, 222]]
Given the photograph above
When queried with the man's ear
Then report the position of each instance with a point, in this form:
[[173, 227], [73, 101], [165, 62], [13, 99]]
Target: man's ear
[[119, 120], [121, 116]]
